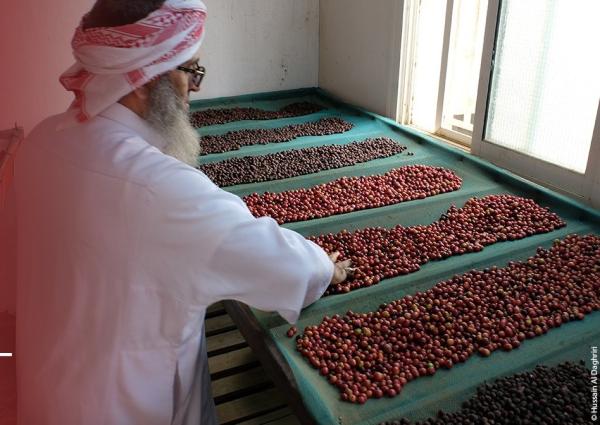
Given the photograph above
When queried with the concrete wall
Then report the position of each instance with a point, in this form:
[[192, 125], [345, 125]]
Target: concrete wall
[[348, 47], [250, 46], [259, 46], [359, 52]]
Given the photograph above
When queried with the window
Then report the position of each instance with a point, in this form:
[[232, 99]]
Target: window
[[546, 80], [516, 81], [443, 59], [462, 71]]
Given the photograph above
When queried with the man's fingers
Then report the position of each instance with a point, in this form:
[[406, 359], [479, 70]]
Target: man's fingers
[[334, 256], [350, 270], [343, 269], [345, 264]]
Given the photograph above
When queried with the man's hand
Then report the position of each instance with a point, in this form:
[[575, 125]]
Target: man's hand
[[342, 269]]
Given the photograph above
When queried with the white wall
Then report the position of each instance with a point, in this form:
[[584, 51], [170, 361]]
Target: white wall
[[359, 46], [250, 46], [259, 46]]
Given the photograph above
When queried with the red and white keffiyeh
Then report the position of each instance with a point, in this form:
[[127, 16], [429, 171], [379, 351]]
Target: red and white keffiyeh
[[113, 61]]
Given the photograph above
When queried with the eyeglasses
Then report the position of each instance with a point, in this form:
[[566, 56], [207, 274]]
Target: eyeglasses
[[196, 74]]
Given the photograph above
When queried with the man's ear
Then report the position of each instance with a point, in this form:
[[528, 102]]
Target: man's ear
[[137, 100], [143, 93]]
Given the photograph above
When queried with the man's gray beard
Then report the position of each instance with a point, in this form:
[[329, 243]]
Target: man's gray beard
[[168, 116]]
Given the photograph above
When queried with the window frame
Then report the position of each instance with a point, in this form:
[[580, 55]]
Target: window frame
[[408, 43]]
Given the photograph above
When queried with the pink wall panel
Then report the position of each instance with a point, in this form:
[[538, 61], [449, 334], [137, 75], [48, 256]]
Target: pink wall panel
[[35, 49]]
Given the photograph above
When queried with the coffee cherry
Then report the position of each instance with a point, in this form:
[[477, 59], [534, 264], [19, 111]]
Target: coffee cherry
[[349, 194], [380, 253], [221, 116], [297, 162], [234, 140], [455, 319]]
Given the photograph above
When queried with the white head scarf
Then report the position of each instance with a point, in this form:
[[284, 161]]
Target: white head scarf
[[113, 61]]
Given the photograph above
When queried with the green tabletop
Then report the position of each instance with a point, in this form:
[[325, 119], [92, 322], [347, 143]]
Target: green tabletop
[[445, 390]]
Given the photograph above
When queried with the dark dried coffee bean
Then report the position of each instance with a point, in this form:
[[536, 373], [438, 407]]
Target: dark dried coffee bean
[[234, 140], [559, 394], [297, 162], [221, 116]]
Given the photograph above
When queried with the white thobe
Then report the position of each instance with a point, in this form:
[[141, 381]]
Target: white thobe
[[121, 249]]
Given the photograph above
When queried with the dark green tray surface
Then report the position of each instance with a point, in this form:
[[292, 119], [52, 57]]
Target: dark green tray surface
[[446, 389]]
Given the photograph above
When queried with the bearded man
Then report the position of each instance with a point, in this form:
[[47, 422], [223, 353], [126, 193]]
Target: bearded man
[[123, 243]]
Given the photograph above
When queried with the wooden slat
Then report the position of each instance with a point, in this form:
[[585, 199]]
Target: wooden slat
[[282, 416], [260, 402], [240, 386], [237, 358], [224, 340], [272, 360], [239, 381], [217, 323], [215, 309], [287, 420]]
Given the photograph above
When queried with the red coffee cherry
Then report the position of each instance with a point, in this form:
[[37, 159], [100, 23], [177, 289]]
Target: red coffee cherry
[[480, 311]]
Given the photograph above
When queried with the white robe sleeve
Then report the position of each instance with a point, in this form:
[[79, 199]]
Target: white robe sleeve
[[206, 246]]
